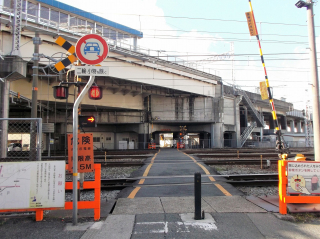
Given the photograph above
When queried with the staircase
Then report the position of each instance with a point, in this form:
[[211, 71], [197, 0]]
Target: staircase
[[246, 133], [252, 110]]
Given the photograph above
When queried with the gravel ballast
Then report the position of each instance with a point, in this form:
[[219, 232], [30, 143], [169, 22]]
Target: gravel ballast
[[106, 173], [249, 169]]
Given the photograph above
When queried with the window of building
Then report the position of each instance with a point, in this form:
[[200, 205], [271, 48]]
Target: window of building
[[108, 138], [8, 3], [106, 32], [81, 25], [24, 9], [44, 13], [73, 21], [96, 139], [90, 27], [113, 35], [54, 16], [32, 10], [99, 29], [63, 20]]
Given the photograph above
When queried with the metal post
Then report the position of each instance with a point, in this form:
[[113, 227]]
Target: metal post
[[39, 142], [5, 114], [49, 148], [34, 109], [75, 149], [197, 196], [314, 81], [36, 42]]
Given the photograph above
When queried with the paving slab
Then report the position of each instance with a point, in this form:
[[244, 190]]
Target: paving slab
[[138, 206], [115, 226], [152, 217], [263, 204], [271, 227], [235, 225], [232, 204], [182, 205]]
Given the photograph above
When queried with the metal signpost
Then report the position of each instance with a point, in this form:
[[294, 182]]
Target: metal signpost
[[90, 49]]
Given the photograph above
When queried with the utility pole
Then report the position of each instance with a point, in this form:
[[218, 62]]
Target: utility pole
[[34, 109], [314, 76], [314, 82]]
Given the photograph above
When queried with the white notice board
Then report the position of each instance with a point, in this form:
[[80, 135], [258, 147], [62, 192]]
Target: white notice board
[[304, 177], [39, 184]]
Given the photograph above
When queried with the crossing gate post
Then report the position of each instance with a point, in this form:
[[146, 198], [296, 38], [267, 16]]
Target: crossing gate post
[[197, 196]]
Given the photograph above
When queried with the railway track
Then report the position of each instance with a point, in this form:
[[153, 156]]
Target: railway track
[[244, 155], [236, 180], [253, 180], [240, 162]]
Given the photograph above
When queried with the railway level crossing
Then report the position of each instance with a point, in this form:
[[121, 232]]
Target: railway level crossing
[[170, 173]]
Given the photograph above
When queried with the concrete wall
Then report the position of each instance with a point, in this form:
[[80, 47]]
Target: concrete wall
[[163, 108], [229, 117]]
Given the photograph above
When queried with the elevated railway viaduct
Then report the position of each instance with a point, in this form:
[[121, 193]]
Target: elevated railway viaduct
[[146, 95]]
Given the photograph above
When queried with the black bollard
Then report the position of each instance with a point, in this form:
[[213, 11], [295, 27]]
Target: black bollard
[[197, 196]]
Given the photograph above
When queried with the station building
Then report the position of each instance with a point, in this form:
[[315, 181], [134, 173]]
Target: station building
[[147, 96]]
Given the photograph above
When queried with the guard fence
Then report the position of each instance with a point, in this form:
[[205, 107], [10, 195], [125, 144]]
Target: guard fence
[[21, 138], [199, 144]]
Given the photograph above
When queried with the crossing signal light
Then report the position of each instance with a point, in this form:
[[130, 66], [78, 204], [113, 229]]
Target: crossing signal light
[[60, 92], [87, 121], [95, 92]]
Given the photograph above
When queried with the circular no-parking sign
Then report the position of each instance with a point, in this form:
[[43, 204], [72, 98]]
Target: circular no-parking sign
[[92, 49]]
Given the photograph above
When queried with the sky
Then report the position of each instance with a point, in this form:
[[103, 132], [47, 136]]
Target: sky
[[204, 31]]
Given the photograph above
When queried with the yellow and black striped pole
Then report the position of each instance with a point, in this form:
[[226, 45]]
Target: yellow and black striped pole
[[70, 59], [274, 114]]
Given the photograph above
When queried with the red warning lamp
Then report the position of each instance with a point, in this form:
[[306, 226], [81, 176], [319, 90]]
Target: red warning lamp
[[60, 92], [95, 92]]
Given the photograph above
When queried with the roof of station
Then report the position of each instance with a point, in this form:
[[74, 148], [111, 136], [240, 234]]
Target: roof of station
[[91, 16]]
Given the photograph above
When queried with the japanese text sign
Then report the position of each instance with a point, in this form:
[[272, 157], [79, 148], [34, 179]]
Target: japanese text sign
[[92, 70], [264, 91], [251, 24], [303, 177], [85, 153]]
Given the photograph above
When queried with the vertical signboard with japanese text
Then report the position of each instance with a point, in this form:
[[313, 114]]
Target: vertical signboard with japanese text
[[264, 91], [85, 153], [251, 24]]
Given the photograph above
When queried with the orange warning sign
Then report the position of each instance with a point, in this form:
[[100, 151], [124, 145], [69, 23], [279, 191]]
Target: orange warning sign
[[264, 91], [251, 24], [85, 153]]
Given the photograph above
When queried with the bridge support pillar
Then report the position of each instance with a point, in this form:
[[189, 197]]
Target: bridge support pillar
[[212, 136], [143, 137], [292, 126], [217, 132]]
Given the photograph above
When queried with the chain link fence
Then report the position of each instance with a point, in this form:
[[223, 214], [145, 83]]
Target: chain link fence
[[21, 138]]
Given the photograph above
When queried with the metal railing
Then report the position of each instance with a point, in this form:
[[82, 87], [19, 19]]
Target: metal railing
[[246, 133], [256, 115], [81, 30]]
